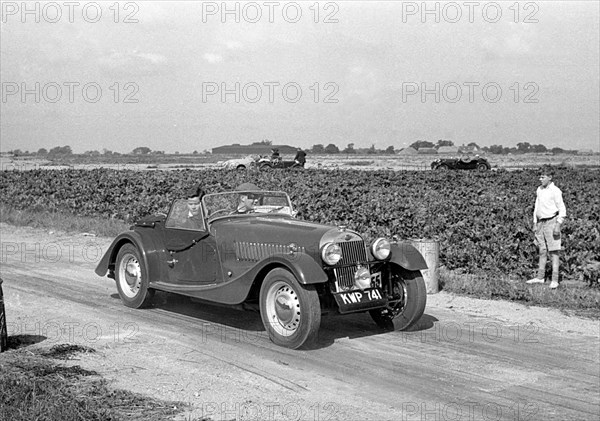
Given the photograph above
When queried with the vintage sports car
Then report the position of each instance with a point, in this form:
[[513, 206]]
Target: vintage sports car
[[266, 164], [3, 330], [464, 163], [240, 164], [248, 248]]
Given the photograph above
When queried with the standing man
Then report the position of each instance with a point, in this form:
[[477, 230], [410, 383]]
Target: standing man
[[300, 158], [548, 216]]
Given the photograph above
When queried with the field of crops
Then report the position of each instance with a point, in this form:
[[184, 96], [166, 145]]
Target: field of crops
[[482, 220]]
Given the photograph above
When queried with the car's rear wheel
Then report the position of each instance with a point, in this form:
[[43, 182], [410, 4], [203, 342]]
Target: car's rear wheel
[[482, 167], [442, 167], [290, 312], [407, 304], [266, 167], [3, 329], [132, 279]]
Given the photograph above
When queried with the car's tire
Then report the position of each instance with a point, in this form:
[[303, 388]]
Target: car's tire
[[266, 167], [241, 167], [411, 292], [291, 312], [132, 279], [3, 329], [442, 167], [482, 167]]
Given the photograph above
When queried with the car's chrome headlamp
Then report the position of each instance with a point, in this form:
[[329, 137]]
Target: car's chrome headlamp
[[331, 253], [381, 248]]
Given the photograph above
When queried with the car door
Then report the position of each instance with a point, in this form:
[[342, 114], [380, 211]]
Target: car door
[[192, 250]]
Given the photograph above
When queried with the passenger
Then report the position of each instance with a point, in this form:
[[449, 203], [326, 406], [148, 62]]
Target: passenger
[[194, 197]]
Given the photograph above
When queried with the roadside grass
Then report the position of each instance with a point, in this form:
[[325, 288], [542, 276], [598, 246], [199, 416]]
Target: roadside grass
[[573, 298], [62, 222], [34, 387]]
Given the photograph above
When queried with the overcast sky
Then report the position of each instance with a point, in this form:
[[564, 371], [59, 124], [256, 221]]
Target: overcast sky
[[385, 73]]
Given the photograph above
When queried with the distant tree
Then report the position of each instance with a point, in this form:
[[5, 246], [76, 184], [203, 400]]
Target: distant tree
[[318, 149], [349, 149], [557, 150], [263, 142], [539, 149], [422, 144], [106, 152], [473, 145], [523, 147], [390, 150], [141, 150], [60, 150], [496, 149], [441, 143], [42, 151], [372, 150], [195, 153], [331, 148], [92, 153]]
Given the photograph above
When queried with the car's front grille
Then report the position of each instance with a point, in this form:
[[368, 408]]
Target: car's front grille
[[353, 252]]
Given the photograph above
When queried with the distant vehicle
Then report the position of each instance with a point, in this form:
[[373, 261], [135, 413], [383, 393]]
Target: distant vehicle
[[463, 163], [266, 164], [240, 164], [3, 330]]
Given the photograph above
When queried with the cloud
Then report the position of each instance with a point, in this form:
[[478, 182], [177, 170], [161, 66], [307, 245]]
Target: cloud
[[233, 45], [212, 57], [132, 62]]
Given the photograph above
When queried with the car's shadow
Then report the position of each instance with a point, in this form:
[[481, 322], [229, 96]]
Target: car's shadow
[[248, 323]]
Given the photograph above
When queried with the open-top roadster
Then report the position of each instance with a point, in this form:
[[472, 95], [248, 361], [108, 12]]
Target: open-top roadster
[[248, 247], [464, 163]]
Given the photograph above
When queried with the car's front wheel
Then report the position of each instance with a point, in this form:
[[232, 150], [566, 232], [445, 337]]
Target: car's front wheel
[[132, 279], [482, 167], [442, 167], [241, 167], [290, 311], [407, 302]]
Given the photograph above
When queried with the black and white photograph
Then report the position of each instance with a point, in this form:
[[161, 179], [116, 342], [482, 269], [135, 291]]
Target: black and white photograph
[[299, 210]]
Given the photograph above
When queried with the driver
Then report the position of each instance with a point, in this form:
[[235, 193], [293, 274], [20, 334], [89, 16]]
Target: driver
[[246, 200]]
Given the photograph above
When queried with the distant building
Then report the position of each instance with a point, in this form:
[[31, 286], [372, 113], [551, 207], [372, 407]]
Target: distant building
[[256, 148], [448, 150], [427, 151], [468, 149], [408, 151]]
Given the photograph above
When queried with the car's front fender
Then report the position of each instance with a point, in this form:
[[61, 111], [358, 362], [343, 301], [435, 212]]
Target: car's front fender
[[407, 256], [144, 246], [302, 266]]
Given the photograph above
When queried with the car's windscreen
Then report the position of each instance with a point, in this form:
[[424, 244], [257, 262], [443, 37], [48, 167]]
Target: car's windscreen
[[246, 202]]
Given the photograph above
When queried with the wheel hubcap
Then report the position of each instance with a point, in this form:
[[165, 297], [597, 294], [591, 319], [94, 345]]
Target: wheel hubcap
[[130, 275], [283, 308]]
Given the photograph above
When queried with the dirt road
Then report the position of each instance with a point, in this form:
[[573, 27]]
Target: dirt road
[[467, 360]]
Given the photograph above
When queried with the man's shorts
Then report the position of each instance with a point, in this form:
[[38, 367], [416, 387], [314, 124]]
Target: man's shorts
[[545, 238]]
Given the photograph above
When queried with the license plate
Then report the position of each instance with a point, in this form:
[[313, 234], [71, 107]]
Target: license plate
[[360, 297]]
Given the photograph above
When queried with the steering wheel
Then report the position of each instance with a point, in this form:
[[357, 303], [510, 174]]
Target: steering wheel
[[227, 211]]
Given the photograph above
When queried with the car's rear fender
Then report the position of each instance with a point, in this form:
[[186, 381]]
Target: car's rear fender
[[407, 256], [145, 246]]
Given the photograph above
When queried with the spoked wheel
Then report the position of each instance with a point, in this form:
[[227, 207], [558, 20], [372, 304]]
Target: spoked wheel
[[132, 279], [482, 167], [290, 312], [442, 167], [407, 302]]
